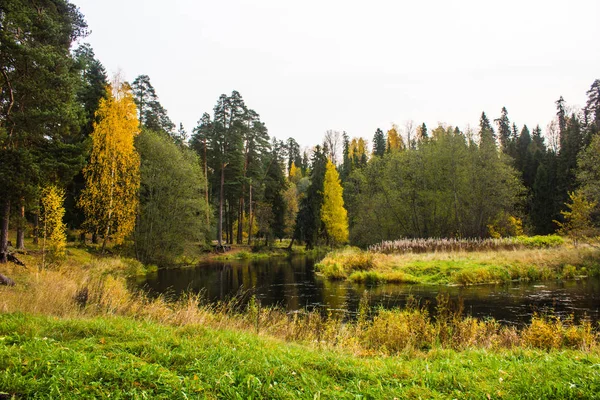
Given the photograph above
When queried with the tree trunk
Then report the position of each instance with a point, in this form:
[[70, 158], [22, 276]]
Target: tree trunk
[[206, 186], [21, 226], [95, 237], [240, 227], [250, 218], [227, 214], [230, 222], [36, 227], [221, 195], [4, 217]]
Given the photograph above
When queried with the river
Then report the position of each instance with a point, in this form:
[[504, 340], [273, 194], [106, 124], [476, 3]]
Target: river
[[292, 283]]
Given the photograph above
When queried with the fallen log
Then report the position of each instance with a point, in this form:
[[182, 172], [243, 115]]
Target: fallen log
[[12, 258], [5, 280]]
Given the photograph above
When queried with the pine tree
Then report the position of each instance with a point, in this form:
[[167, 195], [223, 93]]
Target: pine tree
[[38, 107], [592, 112], [151, 113], [110, 198], [333, 213], [379, 144]]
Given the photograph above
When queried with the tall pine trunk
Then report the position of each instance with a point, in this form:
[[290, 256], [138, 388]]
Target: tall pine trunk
[[250, 218], [221, 195], [206, 186], [4, 217], [21, 226], [240, 227]]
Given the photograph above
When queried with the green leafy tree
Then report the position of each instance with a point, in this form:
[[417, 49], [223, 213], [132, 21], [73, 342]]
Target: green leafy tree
[[172, 201], [588, 174], [577, 219]]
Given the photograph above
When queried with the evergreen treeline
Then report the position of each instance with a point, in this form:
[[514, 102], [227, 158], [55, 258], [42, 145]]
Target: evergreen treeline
[[110, 146]]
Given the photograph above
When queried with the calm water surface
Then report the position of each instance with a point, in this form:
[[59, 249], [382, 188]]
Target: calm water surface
[[292, 284]]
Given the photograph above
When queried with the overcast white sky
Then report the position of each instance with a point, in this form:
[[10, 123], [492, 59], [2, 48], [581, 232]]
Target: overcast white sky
[[313, 65]]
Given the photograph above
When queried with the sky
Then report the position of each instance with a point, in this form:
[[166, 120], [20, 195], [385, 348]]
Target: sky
[[313, 65]]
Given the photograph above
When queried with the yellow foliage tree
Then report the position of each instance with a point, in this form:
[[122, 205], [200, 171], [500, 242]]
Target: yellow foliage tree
[[295, 174], [358, 150], [394, 140], [53, 211], [333, 213], [110, 198]]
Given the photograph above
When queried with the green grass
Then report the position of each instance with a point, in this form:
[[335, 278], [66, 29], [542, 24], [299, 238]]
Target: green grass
[[538, 262], [241, 252], [45, 357]]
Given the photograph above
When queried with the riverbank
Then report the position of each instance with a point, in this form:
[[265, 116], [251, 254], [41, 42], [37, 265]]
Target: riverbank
[[77, 330], [462, 267], [278, 249]]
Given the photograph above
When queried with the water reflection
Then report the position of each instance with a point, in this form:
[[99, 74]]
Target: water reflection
[[292, 284]]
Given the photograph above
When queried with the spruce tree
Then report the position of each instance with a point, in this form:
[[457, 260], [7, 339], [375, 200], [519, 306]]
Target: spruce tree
[[379, 143], [504, 133]]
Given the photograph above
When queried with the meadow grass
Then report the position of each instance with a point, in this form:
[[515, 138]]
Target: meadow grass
[[462, 267], [117, 357]]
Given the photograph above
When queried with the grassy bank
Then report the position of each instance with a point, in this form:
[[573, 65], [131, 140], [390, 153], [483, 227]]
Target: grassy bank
[[75, 330], [462, 267], [122, 358], [244, 252]]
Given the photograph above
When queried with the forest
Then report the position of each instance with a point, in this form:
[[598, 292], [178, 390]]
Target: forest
[[143, 259], [88, 157]]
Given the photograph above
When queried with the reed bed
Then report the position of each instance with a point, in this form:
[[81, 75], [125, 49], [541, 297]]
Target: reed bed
[[429, 245]]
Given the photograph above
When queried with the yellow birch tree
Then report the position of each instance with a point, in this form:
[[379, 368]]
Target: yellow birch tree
[[110, 198], [333, 213], [53, 211], [394, 140]]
